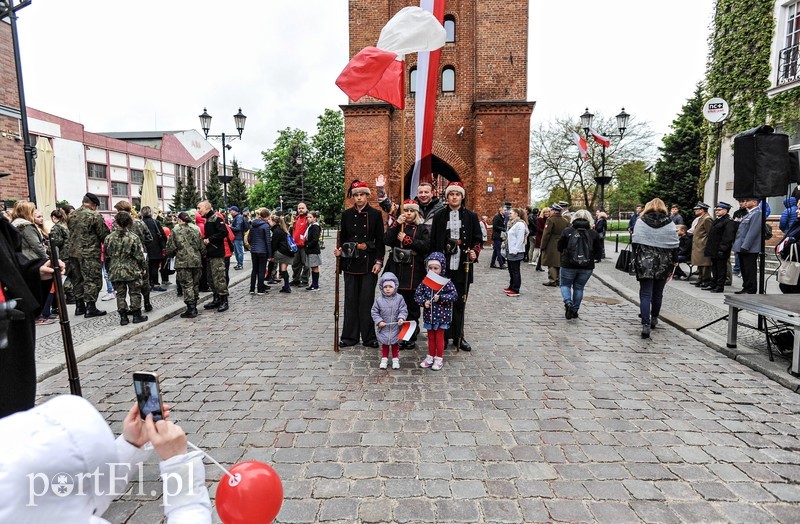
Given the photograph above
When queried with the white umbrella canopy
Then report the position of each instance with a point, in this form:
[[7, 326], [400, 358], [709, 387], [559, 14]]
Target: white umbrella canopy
[[44, 177], [149, 193]]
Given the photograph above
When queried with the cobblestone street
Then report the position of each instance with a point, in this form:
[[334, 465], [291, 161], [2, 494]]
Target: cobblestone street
[[545, 420]]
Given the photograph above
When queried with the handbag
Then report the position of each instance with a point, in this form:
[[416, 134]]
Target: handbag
[[625, 260], [504, 249], [789, 270], [402, 256]]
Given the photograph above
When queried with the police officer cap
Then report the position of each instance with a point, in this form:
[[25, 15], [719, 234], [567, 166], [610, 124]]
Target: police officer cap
[[722, 205], [555, 207], [234, 208], [701, 205], [91, 197]]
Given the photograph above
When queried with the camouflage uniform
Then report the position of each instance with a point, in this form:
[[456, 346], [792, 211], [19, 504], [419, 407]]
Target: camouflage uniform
[[60, 235], [216, 233], [125, 267], [141, 231], [87, 231], [188, 249]]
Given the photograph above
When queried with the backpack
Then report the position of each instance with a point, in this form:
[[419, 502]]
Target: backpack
[[579, 249], [292, 245]]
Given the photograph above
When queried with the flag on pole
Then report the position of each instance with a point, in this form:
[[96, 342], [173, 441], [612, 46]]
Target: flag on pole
[[600, 139], [412, 30], [427, 84], [407, 330], [435, 281], [581, 143]]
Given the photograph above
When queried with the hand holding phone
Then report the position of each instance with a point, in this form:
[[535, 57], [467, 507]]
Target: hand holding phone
[[148, 395]]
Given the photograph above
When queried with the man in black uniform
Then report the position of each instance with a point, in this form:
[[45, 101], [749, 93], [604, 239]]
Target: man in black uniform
[[362, 250], [718, 247], [456, 232]]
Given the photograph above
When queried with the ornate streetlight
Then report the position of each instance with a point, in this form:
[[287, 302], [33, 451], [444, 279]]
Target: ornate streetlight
[[205, 125], [586, 124]]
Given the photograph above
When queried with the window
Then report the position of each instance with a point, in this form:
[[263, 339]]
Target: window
[[412, 82], [789, 55], [136, 202], [137, 176], [159, 191], [450, 28], [448, 79], [97, 171], [119, 189], [103, 203]]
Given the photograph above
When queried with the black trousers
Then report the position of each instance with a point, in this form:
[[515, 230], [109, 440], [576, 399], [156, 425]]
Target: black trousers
[[455, 330], [749, 267], [515, 276], [153, 267], [413, 309], [18, 367], [258, 271], [359, 294], [719, 272]]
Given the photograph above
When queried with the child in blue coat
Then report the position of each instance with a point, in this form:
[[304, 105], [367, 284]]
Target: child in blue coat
[[437, 311]]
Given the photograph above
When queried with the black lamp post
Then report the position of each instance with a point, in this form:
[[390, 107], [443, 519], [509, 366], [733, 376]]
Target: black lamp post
[[8, 9], [302, 177], [586, 124], [205, 124]]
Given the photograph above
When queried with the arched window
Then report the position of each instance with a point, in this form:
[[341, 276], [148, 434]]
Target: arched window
[[450, 28], [448, 79], [412, 82]]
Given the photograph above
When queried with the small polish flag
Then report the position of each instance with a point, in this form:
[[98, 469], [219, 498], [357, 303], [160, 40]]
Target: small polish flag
[[600, 139], [435, 281], [407, 330], [581, 143]]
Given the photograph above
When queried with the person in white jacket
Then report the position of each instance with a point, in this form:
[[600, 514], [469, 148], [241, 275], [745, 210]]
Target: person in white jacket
[[59, 462], [517, 237]]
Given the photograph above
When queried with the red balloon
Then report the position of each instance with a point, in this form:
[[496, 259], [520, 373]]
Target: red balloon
[[255, 495]]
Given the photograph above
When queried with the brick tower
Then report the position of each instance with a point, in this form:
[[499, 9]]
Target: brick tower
[[482, 126]]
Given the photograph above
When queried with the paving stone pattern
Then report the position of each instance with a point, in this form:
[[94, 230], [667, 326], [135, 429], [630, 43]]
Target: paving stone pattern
[[546, 420]]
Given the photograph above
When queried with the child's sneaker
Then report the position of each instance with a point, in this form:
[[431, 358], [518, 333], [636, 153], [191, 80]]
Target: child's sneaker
[[437, 364], [384, 363], [428, 362], [395, 363]]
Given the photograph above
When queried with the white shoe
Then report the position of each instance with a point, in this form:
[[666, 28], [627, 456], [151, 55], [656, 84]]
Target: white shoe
[[109, 296], [428, 362], [384, 363], [437, 364], [395, 363]]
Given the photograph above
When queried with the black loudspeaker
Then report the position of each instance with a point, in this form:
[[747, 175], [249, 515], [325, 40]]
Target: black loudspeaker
[[761, 165], [794, 167]]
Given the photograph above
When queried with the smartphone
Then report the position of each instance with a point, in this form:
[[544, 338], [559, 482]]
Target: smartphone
[[148, 395]]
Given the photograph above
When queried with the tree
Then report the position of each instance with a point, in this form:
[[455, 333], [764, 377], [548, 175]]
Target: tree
[[678, 171], [282, 173], [177, 198], [237, 190], [556, 163], [629, 183], [191, 196], [325, 173], [214, 188]]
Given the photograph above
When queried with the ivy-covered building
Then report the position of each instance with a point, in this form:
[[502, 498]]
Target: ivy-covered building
[[754, 64]]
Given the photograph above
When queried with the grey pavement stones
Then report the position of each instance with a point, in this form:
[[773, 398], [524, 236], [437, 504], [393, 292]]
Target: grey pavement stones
[[547, 420]]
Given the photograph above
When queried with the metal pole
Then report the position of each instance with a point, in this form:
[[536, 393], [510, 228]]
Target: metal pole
[[616, 244], [23, 110], [716, 169], [603, 185], [303, 180], [224, 175]]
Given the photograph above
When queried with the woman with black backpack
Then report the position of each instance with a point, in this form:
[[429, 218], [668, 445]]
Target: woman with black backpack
[[580, 246]]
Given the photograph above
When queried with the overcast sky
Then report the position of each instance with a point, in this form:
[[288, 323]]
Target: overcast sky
[[146, 65]]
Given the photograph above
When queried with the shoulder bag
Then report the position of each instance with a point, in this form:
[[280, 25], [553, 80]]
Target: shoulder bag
[[625, 260], [789, 270]]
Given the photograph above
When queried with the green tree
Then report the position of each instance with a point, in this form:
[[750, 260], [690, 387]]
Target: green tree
[[282, 175], [237, 190], [679, 169], [325, 172], [629, 182], [177, 198], [214, 188], [191, 196]]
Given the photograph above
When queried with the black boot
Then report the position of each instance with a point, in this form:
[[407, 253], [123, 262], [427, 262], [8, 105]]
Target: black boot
[[123, 317], [70, 298], [188, 312], [147, 305], [223, 304], [138, 318], [92, 311], [80, 308], [213, 304], [194, 309]]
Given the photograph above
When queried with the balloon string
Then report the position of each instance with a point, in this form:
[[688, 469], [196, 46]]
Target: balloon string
[[209, 457]]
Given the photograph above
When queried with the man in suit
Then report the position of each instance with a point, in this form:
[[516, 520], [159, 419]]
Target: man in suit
[[748, 246], [701, 227]]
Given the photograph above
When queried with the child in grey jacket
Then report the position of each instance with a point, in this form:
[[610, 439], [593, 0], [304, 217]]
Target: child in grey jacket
[[389, 312]]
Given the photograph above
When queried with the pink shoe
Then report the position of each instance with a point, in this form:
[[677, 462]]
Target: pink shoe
[[437, 364], [428, 362]]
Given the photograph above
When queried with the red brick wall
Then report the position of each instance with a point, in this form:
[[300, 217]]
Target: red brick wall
[[490, 59], [12, 158]]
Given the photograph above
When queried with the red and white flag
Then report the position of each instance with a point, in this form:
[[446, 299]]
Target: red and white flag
[[581, 143], [407, 330], [435, 281], [600, 139]]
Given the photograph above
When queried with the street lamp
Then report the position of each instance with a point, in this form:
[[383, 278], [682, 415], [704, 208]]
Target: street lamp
[[205, 125], [622, 125], [302, 177]]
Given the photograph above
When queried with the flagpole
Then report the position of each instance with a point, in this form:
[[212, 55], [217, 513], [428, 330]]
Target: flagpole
[[402, 157]]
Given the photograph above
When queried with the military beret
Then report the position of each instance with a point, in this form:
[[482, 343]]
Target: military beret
[[91, 197]]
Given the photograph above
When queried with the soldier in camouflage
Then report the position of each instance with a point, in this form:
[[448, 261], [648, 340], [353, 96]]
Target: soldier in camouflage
[[126, 265], [141, 231], [87, 231], [188, 249], [216, 232]]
